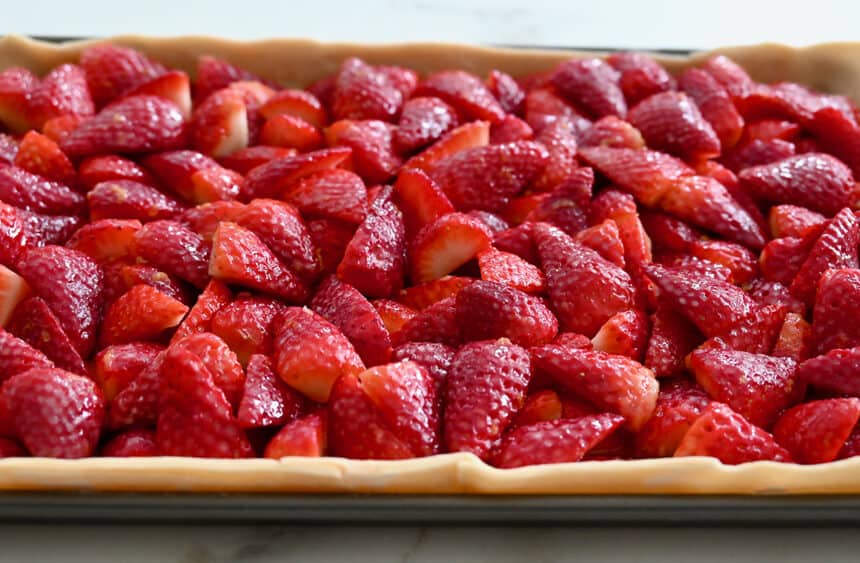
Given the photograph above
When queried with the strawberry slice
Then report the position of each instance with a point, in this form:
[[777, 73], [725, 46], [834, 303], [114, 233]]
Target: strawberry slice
[[127, 199], [284, 130], [174, 86], [214, 296], [420, 198], [132, 125], [115, 367], [611, 131], [592, 85], [585, 290], [174, 169], [463, 91], [203, 219], [131, 443], [434, 357], [30, 192], [795, 339], [112, 70], [174, 249], [511, 270], [679, 404], [605, 240], [16, 356], [724, 434], [836, 306], [143, 313], [467, 136], [446, 244], [219, 126], [835, 248], [373, 261], [296, 103], [756, 386], [487, 177], [371, 141], [671, 122], [311, 353], [274, 177], [195, 418], [792, 221], [834, 372], [71, 283], [97, 169], [555, 441], [641, 76], [624, 334], [362, 92], [816, 181], [815, 432], [485, 387], [246, 325], [303, 437], [40, 155], [436, 323], [266, 400], [13, 290], [54, 413], [393, 314], [35, 323], [715, 104], [422, 122], [214, 74], [17, 86], [509, 129]]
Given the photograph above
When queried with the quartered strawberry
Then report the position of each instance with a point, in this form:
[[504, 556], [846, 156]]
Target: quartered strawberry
[[757, 152], [792, 221], [195, 418], [560, 141], [274, 177], [13, 234], [671, 122], [766, 129], [511, 270], [605, 240], [131, 443], [203, 219], [555, 441], [58, 128], [494, 222], [624, 334], [506, 90], [97, 169], [729, 74], [131, 125], [373, 155], [35, 323], [54, 413], [724, 434], [174, 169], [782, 258], [292, 132], [835, 248], [834, 372], [40, 155], [465, 92], [136, 399], [115, 367], [215, 296], [647, 175], [13, 290], [756, 332], [135, 274], [174, 249], [330, 240], [71, 283], [544, 106], [420, 198], [795, 339], [592, 85], [584, 289], [621, 209], [694, 267], [436, 323], [296, 103], [49, 229], [715, 104], [16, 356], [546, 405], [215, 184], [679, 404], [446, 244], [362, 92], [374, 260], [330, 194], [838, 135], [434, 357], [214, 74], [220, 360], [836, 307], [310, 353], [17, 86], [737, 258], [393, 314], [714, 306], [610, 131], [816, 431], [127, 199], [641, 76], [304, 437], [509, 129], [266, 400], [466, 136], [28, 191], [246, 325], [245, 160], [219, 126], [112, 70], [423, 121], [174, 86], [143, 313], [421, 296], [519, 208]]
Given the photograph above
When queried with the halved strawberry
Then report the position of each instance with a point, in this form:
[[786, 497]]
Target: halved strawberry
[[17, 86], [585, 290], [782, 258], [757, 152], [795, 339], [838, 135], [284, 130], [136, 401], [446, 244], [35, 323], [669, 233], [16, 356], [836, 307], [174, 249], [266, 400], [641, 76], [509, 129], [393, 314], [423, 295], [203, 219], [591, 85], [605, 240], [216, 184], [245, 160], [297, 103], [728, 73], [132, 125], [54, 413], [373, 155], [544, 105], [835, 248], [610, 131], [215, 296], [434, 357], [511, 270], [130, 275], [671, 122], [506, 90], [174, 86], [422, 122], [724, 434], [624, 334], [246, 325], [756, 332], [420, 199], [792, 221], [815, 432], [115, 367], [679, 404], [715, 104], [466, 136], [304, 437], [219, 126], [330, 238], [465, 92], [113, 70], [28, 191], [175, 169], [834, 372], [330, 194], [737, 258], [41, 156], [311, 353], [621, 209], [214, 74], [560, 141], [97, 169], [361, 91], [436, 323], [143, 313], [227, 372], [274, 177], [131, 443], [127, 199]]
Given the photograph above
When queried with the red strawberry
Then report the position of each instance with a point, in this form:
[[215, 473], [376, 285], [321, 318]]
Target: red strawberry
[[304, 437], [10, 448], [132, 125], [547, 405], [41, 156], [506, 90], [487, 177], [446, 244], [63, 91], [393, 314], [510, 129], [420, 198], [560, 142], [838, 135], [35, 323], [373, 262], [214, 74], [679, 404], [511, 270], [591, 85], [835, 248], [466, 136], [605, 240], [17, 86], [97, 169], [203, 219], [219, 359], [134, 274], [756, 333], [311, 353], [116, 367], [174, 169], [362, 92], [729, 74], [215, 296], [132, 443], [54, 413], [373, 155], [834, 372], [13, 234], [423, 295], [465, 92], [219, 126], [624, 334], [813, 180], [293, 132], [489, 310], [330, 194], [274, 177], [174, 249], [757, 152], [58, 128], [195, 417], [136, 401], [215, 184], [740, 260], [8, 148], [485, 387], [668, 233], [296, 103], [330, 240], [641, 76], [13, 290], [245, 160], [795, 339], [143, 313], [423, 121], [815, 432], [112, 70], [16, 356], [755, 385], [267, 400], [246, 325], [434, 357], [71, 283], [792, 221], [24, 190], [766, 129], [544, 105], [611, 131], [127, 199], [585, 290], [621, 209], [782, 258], [436, 323], [836, 307], [174, 86], [715, 104], [671, 122], [724, 434], [49, 229]]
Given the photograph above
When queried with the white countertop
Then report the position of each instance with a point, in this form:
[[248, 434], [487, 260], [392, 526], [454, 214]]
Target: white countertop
[[652, 24]]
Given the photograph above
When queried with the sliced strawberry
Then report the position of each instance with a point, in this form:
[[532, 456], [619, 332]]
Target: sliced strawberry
[[58, 128], [16, 356], [585, 290], [792, 221], [835, 248], [466, 136], [311, 353], [611, 131], [422, 122], [131, 443], [266, 400], [54, 413], [728, 73], [511, 270], [304, 437], [834, 372], [434, 357], [97, 169], [437, 323], [175, 169], [605, 240], [559, 139], [757, 152], [330, 240], [544, 105], [836, 307], [490, 310], [838, 135], [13, 290], [330, 194], [136, 401], [127, 199], [274, 177], [115, 367], [782, 258], [17, 86], [624, 334], [815, 432], [214, 74], [506, 90], [132, 125], [40, 155], [715, 104], [296, 103], [757, 332], [641, 76], [446, 244], [219, 126], [724, 434], [510, 129], [220, 360], [245, 160], [174, 249], [405, 80], [671, 122], [292, 132], [28, 191], [131, 275], [592, 85], [668, 233], [373, 155], [215, 296], [393, 314], [203, 219], [679, 404], [740, 260], [216, 184], [246, 325], [465, 92], [420, 198], [362, 92], [423, 295], [143, 313], [795, 339], [112, 70], [35, 323], [174, 86]]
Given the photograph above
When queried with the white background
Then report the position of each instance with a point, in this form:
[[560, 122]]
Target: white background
[[644, 24]]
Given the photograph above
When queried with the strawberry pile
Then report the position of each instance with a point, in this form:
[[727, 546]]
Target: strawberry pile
[[603, 261]]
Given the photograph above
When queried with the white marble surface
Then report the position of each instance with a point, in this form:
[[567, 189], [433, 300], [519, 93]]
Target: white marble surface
[[652, 24]]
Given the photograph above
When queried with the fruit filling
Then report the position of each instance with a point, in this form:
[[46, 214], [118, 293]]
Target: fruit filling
[[602, 261]]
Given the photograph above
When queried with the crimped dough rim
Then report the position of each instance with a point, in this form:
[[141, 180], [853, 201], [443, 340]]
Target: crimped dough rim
[[833, 67]]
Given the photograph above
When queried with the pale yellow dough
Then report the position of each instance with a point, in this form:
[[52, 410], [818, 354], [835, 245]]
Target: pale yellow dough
[[833, 68]]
